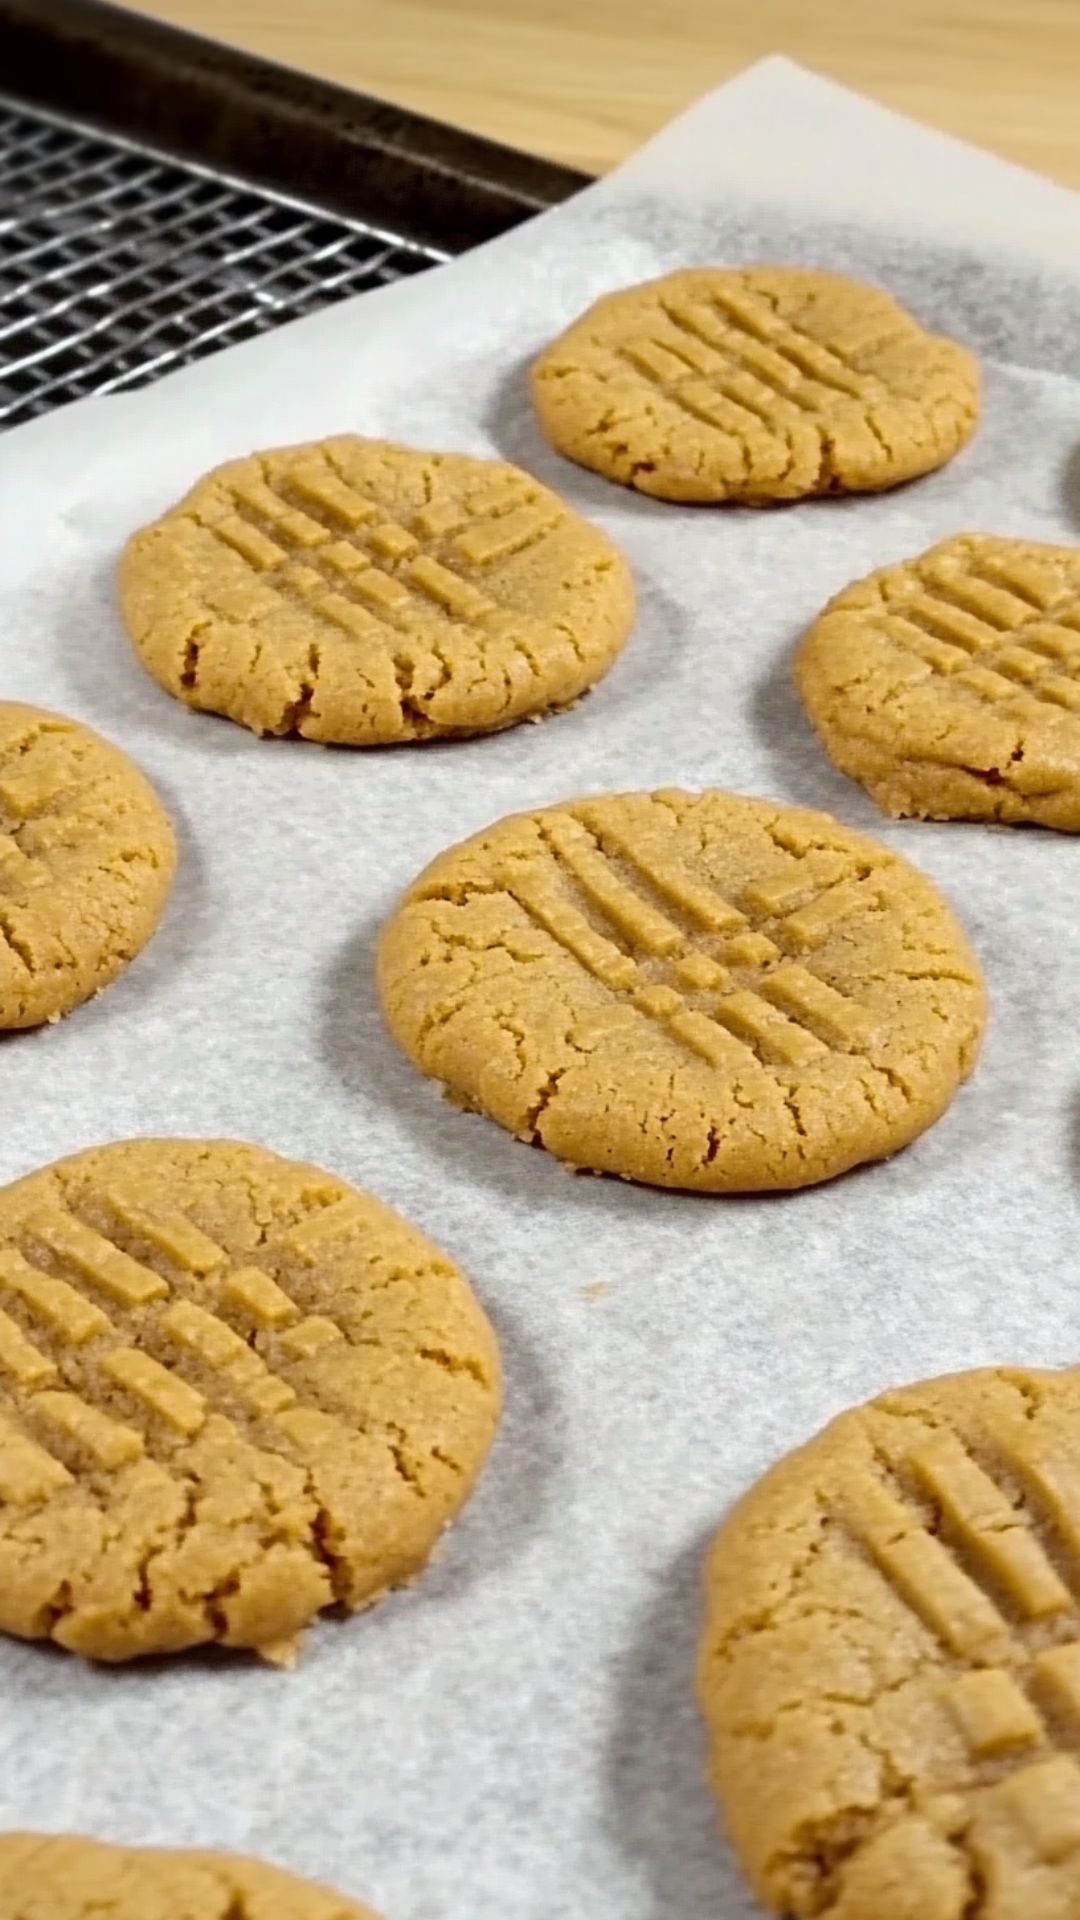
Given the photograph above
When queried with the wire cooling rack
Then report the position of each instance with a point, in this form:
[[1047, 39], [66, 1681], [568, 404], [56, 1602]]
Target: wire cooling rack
[[118, 264]]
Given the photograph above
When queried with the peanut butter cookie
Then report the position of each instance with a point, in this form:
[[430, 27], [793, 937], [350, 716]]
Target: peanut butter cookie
[[87, 858], [754, 384], [61, 1877], [949, 686], [689, 989], [890, 1668], [233, 1391], [362, 593]]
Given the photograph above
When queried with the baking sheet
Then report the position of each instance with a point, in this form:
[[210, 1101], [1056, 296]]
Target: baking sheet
[[516, 1738]]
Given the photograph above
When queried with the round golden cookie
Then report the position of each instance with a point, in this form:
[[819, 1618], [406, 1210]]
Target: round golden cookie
[[754, 384], [688, 989], [890, 1668], [360, 593], [233, 1391], [949, 686], [87, 858], [64, 1877]]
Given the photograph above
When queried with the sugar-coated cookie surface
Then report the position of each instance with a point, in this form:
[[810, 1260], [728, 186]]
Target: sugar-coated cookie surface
[[361, 593], [688, 989], [236, 1391], [890, 1667], [754, 384], [87, 857], [949, 685], [62, 1877]]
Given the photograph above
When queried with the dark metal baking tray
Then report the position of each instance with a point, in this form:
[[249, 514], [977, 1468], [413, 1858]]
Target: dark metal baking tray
[[162, 196]]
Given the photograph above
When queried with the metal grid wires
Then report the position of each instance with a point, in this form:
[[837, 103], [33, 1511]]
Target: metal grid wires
[[118, 264]]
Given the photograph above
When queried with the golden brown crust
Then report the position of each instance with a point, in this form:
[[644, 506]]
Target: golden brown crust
[[234, 1390], [949, 685], [754, 384], [65, 1877], [87, 858], [361, 593], [693, 990], [890, 1667]]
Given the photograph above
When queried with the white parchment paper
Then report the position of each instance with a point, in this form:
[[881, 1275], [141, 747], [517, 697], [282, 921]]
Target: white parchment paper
[[516, 1739]]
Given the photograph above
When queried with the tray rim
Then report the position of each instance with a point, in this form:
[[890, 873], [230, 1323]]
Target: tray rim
[[463, 187]]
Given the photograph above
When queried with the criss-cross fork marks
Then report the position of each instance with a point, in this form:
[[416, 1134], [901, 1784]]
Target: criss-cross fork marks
[[728, 357], [1007, 1704], [789, 1020], [330, 549], [71, 1315], [996, 632]]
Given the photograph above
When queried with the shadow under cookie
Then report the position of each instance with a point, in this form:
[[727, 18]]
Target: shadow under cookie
[[361, 1054], [801, 769], [1070, 489], [660, 1812], [511, 421]]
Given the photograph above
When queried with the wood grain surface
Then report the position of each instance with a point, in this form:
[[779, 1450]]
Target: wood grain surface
[[587, 80]]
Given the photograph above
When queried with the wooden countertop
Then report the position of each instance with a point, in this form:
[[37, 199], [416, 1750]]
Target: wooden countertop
[[586, 80]]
